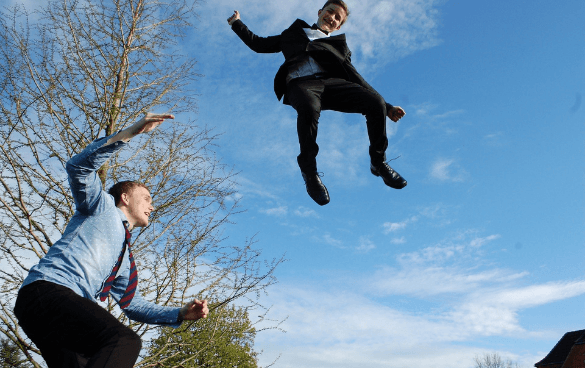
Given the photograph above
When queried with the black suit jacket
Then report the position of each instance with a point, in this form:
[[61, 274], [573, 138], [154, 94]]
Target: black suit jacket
[[331, 53]]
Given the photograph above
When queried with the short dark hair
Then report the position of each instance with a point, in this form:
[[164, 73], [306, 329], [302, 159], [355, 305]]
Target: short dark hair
[[124, 187], [339, 3]]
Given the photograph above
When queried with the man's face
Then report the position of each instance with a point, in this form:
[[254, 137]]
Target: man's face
[[139, 206], [331, 17]]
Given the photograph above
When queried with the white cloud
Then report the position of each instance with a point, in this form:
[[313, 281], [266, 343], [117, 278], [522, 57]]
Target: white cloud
[[495, 312], [348, 328], [365, 245], [305, 212], [400, 240], [390, 227], [343, 152], [424, 109], [383, 30], [247, 186], [497, 139], [427, 311], [447, 170], [276, 211], [378, 355], [447, 250], [328, 239], [393, 226], [423, 282]]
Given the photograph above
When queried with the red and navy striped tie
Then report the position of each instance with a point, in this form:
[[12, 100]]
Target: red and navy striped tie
[[132, 280]]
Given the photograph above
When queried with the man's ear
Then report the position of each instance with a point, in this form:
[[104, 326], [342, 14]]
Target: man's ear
[[319, 12], [124, 199]]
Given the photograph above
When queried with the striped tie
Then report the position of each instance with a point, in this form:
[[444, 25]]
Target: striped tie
[[132, 280]]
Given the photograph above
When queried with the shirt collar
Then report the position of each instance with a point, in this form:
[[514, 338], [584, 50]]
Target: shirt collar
[[122, 215]]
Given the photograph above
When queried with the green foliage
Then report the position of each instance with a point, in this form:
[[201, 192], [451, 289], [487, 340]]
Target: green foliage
[[224, 339], [11, 355]]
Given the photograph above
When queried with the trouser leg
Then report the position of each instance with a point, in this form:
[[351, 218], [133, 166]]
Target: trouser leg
[[305, 97], [341, 95], [72, 331]]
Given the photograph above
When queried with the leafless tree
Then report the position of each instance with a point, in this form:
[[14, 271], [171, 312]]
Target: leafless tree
[[79, 69], [493, 360]]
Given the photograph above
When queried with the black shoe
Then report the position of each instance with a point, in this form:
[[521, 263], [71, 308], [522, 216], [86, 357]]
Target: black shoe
[[315, 188], [391, 177]]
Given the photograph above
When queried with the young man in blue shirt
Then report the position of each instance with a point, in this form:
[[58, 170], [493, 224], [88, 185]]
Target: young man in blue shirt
[[56, 305]]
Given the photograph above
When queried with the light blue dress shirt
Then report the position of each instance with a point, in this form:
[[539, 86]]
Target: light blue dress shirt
[[93, 239]]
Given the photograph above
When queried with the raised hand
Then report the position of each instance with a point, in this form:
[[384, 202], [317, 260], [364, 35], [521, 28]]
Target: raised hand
[[149, 122], [234, 17]]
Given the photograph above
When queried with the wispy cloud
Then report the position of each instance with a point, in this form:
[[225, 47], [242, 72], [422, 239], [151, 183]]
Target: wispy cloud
[[330, 240], [400, 240], [250, 187], [496, 139], [383, 30], [367, 319], [305, 212], [447, 170], [495, 312], [390, 227], [365, 245], [448, 250], [276, 211]]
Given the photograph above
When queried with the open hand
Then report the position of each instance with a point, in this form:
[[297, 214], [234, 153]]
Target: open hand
[[149, 122]]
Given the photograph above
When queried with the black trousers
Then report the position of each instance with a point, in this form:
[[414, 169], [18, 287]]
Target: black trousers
[[72, 331], [310, 96]]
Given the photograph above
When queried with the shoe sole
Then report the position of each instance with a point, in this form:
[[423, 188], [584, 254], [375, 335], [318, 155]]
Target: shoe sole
[[385, 182], [322, 203]]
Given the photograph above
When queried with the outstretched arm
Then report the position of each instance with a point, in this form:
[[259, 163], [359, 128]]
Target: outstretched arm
[[258, 44], [85, 184], [148, 123]]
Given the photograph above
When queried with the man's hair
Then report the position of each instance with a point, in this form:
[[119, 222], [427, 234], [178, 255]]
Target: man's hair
[[340, 3], [124, 187]]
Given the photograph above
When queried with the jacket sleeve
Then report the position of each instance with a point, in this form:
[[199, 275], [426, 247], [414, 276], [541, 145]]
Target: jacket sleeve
[[355, 77], [86, 186], [258, 44]]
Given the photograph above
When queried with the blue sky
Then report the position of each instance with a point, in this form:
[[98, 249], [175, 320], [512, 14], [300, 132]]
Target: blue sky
[[483, 250]]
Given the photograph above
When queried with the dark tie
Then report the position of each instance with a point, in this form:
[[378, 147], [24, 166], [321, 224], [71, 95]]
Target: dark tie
[[132, 280], [315, 27]]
